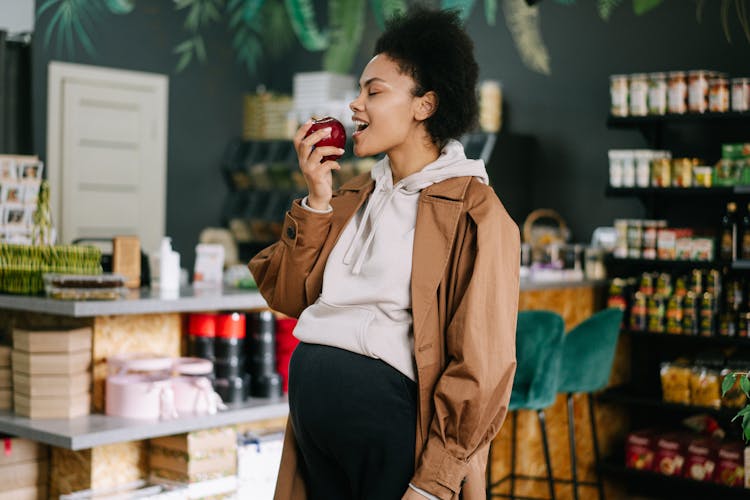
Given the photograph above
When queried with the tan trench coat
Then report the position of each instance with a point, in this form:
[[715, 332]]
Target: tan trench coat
[[464, 291]]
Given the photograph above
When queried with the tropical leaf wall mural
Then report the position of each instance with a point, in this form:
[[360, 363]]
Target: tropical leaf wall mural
[[268, 28]]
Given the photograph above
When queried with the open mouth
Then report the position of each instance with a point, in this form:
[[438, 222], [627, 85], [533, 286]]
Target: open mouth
[[359, 126]]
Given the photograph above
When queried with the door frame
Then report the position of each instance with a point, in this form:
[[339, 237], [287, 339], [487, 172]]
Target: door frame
[[58, 74]]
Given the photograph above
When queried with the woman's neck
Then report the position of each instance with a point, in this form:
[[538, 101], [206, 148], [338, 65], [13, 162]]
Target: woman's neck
[[411, 157]]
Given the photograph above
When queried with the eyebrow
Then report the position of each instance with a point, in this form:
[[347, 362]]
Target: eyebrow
[[368, 82]]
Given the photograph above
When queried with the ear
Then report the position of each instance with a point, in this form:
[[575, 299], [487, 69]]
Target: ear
[[426, 106]]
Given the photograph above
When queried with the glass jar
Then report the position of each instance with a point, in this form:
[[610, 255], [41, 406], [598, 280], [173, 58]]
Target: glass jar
[[702, 176], [643, 167], [628, 168], [677, 93], [657, 94], [740, 94], [718, 95], [615, 168], [698, 91], [638, 94], [682, 172], [618, 90], [661, 172]]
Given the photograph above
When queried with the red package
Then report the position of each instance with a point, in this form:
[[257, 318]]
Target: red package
[[670, 454], [701, 459], [639, 449], [730, 467]]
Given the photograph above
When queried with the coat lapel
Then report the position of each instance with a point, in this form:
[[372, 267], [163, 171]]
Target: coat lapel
[[440, 207], [345, 204]]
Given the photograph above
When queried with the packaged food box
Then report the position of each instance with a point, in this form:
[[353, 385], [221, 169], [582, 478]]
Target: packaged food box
[[48, 341], [701, 459], [37, 492], [21, 450], [51, 364], [198, 443], [51, 385], [60, 407], [730, 466], [5, 356], [669, 458], [702, 249], [23, 474], [640, 447]]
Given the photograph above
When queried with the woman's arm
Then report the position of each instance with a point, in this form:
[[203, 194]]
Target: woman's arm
[[471, 397]]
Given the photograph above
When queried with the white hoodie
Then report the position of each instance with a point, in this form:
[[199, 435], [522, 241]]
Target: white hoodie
[[365, 304]]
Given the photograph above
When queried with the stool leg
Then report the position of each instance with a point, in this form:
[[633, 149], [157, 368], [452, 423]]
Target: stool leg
[[595, 442], [572, 440], [513, 455], [545, 445]]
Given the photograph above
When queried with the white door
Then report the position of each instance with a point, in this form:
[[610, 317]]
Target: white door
[[107, 153]]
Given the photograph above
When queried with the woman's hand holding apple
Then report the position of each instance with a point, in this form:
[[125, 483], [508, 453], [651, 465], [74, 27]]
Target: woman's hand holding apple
[[318, 144]]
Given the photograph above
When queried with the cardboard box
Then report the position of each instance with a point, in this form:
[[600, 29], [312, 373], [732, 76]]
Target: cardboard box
[[6, 380], [52, 341], [23, 474], [190, 469], [51, 386], [126, 259], [4, 356], [6, 399], [669, 458], [51, 364], [52, 407], [199, 443], [21, 450], [38, 492]]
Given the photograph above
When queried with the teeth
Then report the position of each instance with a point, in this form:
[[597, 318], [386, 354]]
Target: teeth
[[360, 125]]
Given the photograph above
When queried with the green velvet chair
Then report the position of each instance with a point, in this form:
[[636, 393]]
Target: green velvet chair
[[539, 340], [588, 353]]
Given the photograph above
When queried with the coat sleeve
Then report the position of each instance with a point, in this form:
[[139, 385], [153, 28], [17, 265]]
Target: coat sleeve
[[281, 269], [471, 396]]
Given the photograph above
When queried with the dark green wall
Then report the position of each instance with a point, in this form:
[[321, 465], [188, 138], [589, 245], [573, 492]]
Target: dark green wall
[[565, 112]]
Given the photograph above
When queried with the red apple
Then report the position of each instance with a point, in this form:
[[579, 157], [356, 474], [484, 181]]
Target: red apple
[[337, 138]]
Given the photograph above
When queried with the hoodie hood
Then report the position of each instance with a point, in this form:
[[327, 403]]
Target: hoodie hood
[[452, 162]]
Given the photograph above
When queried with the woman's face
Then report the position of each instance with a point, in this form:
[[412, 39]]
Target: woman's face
[[385, 111]]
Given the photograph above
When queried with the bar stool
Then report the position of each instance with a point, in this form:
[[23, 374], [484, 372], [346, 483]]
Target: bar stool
[[539, 339], [588, 353]]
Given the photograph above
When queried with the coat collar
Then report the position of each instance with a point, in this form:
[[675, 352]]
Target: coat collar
[[450, 189]]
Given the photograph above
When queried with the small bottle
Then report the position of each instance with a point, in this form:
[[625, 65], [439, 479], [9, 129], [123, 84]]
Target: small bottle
[[728, 234], [745, 250], [169, 266]]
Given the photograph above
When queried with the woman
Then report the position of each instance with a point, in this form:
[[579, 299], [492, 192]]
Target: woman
[[405, 282]]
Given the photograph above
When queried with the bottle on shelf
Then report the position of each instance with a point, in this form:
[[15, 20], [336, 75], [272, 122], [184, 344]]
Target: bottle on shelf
[[745, 242], [728, 234]]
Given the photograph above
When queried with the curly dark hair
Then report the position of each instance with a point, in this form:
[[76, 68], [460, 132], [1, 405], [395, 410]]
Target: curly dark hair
[[432, 47]]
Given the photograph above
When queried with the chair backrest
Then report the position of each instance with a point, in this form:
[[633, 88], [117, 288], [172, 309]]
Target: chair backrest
[[588, 352], [539, 338]]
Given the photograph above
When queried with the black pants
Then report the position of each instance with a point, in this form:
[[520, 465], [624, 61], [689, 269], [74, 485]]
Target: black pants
[[354, 419]]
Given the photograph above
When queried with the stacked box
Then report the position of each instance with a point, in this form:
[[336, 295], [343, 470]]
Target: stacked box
[[6, 384], [258, 459], [24, 470], [205, 460], [51, 377]]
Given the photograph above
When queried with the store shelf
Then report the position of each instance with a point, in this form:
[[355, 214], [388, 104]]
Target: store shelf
[[715, 341], [676, 191], [628, 396], [97, 429], [636, 121], [670, 486], [652, 264]]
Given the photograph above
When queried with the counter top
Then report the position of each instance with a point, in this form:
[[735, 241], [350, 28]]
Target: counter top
[[142, 301], [189, 299]]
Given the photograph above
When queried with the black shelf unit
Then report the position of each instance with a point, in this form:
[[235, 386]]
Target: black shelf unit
[[690, 135], [655, 485]]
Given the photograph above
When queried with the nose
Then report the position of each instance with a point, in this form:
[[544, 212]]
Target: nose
[[356, 104]]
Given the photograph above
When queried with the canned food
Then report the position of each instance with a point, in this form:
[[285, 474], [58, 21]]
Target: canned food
[[661, 172], [657, 94], [682, 172], [656, 314], [707, 325], [618, 90], [639, 313], [702, 176], [674, 314], [698, 91], [677, 93], [740, 94], [718, 95], [635, 238], [638, 94], [690, 322]]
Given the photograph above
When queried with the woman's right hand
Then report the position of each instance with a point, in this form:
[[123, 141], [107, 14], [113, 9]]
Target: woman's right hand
[[317, 175]]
